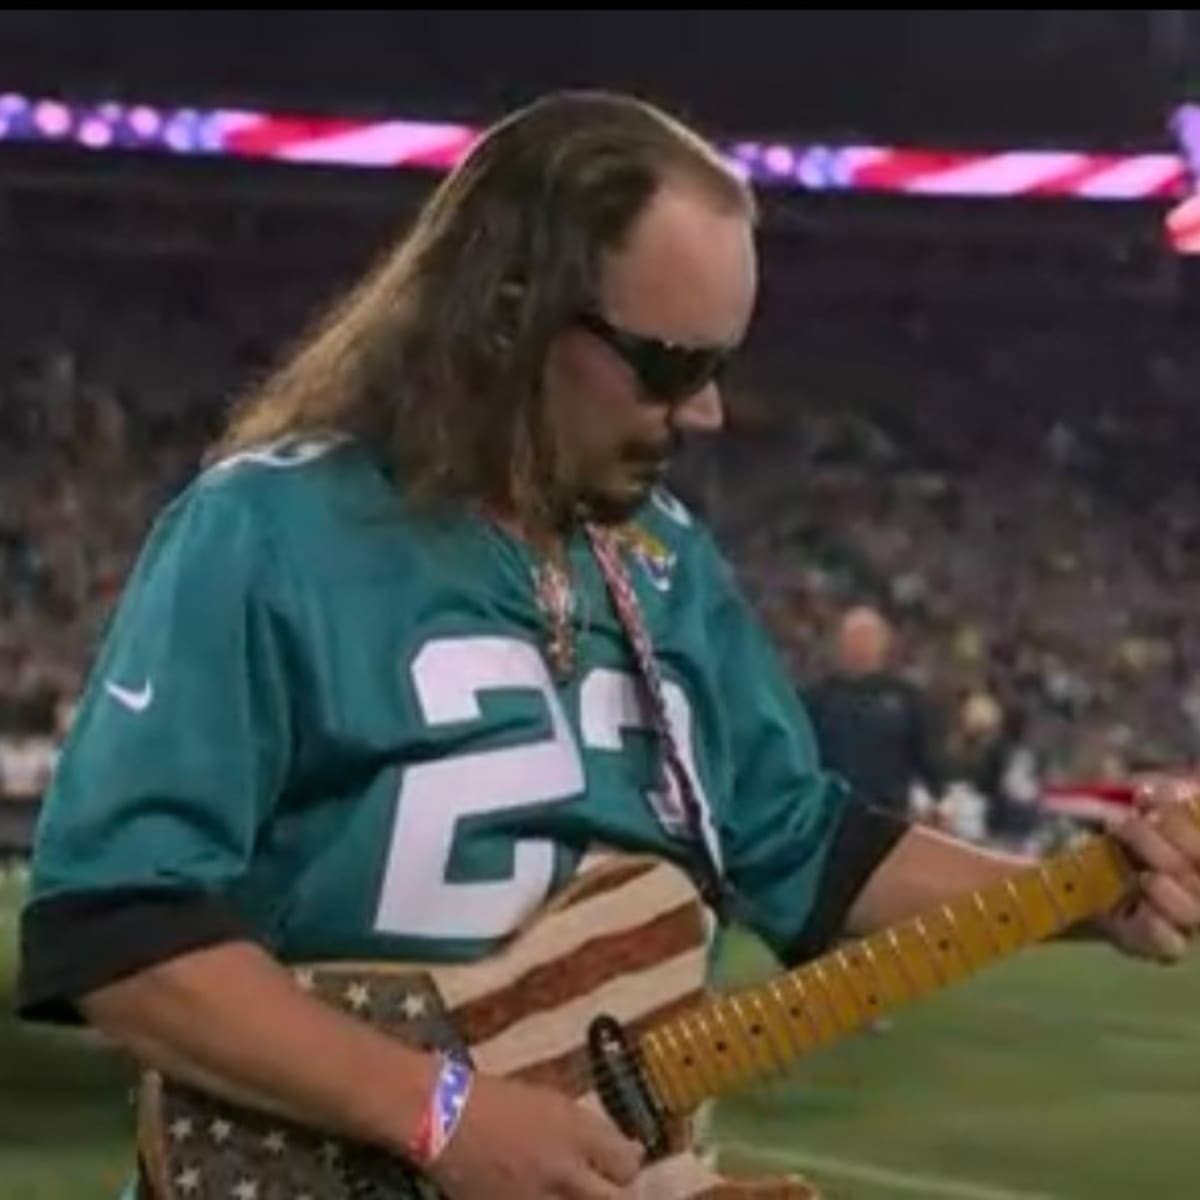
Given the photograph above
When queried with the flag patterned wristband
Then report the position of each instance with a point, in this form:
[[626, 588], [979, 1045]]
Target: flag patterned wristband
[[444, 1110]]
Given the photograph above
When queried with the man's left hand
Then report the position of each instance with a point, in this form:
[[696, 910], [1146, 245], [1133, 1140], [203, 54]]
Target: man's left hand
[[1162, 837]]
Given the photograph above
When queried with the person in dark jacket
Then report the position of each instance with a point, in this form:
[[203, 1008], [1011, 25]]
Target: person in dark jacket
[[875, 728]]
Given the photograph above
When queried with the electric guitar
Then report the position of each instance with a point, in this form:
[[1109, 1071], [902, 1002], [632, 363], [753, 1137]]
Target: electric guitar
[[602, 996]]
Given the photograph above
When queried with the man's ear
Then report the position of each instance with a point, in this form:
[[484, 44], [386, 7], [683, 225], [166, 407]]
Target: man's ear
[[508, 304]]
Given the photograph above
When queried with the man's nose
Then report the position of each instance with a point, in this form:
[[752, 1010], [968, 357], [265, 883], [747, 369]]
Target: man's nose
[[701, 412]]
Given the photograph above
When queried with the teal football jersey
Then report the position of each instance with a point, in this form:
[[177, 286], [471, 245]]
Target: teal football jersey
[[333, 715]]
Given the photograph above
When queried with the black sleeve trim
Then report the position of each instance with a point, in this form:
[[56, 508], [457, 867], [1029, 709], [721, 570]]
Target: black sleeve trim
[[78, 941], [865, 837]]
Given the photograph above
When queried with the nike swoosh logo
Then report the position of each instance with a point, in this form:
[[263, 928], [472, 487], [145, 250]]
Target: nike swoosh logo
[[137, 701]]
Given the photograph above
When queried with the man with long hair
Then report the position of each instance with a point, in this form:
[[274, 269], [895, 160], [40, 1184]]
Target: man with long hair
[[426, 632]]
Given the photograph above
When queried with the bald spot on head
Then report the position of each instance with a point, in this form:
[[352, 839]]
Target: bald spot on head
[[864, 641], [686, 272]]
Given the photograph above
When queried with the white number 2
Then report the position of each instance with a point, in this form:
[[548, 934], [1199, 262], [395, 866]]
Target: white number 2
[[416, 899], [449, 676]]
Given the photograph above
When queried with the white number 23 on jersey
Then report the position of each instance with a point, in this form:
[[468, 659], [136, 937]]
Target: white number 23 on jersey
[[449, 676]]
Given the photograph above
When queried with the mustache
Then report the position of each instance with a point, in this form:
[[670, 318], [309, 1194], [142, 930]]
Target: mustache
[[643, 454]]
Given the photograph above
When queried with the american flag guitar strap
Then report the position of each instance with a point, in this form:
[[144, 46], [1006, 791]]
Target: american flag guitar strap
[[674, 802]]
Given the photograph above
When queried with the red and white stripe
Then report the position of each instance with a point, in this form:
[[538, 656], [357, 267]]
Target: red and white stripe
[[338, 142], [1089, 800], [1014, 173]]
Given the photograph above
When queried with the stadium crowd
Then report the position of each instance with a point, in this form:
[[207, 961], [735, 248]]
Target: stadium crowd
[[1018, 494]]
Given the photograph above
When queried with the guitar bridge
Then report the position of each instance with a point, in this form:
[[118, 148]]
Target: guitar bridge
[[621, 1086]]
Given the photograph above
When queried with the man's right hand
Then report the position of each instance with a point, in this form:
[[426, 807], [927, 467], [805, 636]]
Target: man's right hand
[[531, 1143]]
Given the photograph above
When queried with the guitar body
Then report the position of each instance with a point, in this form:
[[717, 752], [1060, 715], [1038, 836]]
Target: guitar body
[[627, 940]]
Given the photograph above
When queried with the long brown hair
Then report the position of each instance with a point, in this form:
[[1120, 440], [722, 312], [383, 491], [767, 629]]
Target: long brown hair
[[435, 359]]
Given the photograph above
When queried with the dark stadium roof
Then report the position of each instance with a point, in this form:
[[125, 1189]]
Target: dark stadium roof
[[1092, 76]]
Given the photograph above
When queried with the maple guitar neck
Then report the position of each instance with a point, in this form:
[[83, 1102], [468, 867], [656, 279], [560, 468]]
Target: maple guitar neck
[[737, 1038]]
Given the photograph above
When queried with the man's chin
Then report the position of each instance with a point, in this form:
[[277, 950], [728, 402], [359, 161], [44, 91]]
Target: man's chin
[[614, 505]]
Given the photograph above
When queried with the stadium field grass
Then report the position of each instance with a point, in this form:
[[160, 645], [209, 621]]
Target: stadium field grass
[[1066, 1074], [64, 1108]]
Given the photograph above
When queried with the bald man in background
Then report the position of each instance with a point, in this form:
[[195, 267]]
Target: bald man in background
[[874, 727]]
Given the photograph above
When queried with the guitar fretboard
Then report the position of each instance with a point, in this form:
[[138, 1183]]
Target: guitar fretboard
[[737, 1038]]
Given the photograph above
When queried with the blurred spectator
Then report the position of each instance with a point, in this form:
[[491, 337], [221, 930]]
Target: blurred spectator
[[872, 725], [988, 756], [28, 749]]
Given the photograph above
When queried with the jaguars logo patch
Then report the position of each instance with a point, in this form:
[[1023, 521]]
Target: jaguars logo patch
[[650, 554]]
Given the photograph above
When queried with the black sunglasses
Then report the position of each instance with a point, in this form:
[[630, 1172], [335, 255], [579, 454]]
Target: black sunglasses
[[667, 372]]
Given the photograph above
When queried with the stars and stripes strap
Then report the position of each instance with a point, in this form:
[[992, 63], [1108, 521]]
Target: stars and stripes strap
[[674, 802], [447, 1101]]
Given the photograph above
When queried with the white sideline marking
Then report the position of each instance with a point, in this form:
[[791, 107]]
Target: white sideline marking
[[844, 1168]]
